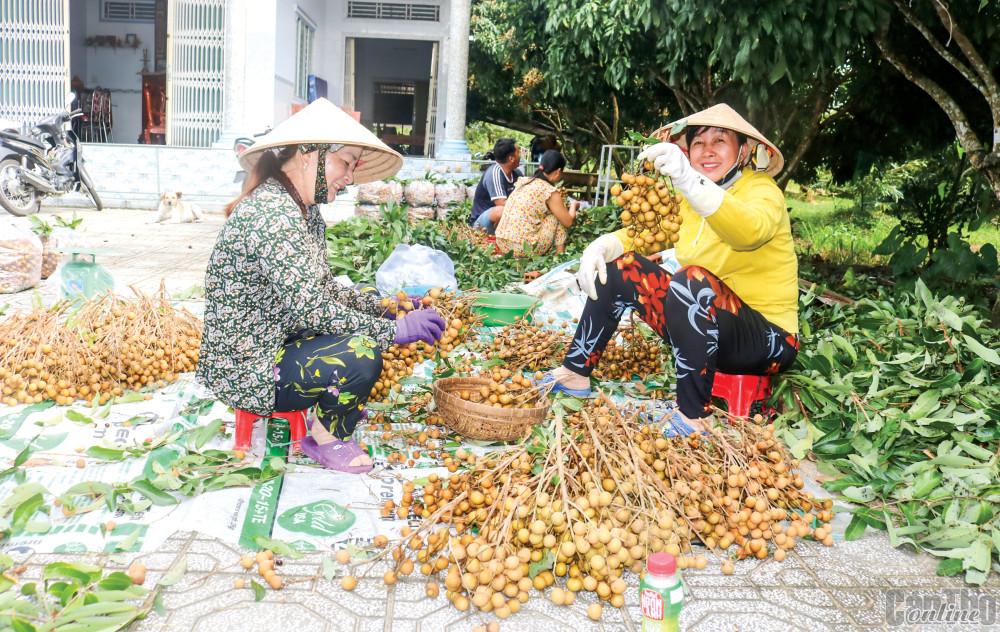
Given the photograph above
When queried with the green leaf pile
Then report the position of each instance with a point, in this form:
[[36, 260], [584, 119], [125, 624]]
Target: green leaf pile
[[77, 597], [900, 395]]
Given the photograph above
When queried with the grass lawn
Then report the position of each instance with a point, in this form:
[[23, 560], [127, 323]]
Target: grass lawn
[[830, 227]]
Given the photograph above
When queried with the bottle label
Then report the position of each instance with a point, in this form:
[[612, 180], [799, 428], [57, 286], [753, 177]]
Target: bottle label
[[652, 604]]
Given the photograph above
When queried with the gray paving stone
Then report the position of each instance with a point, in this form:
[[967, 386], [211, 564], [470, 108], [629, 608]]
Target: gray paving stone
[[267, 617]]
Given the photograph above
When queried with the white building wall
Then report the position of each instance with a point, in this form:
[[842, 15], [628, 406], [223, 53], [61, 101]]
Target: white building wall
[[257, 74], [269, 76], [285, 34]]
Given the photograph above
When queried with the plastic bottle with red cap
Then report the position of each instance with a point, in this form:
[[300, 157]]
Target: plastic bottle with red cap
[[661, 594]]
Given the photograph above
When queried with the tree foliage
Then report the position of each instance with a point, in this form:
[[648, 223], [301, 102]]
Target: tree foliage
[[588, 70], [872, 70]]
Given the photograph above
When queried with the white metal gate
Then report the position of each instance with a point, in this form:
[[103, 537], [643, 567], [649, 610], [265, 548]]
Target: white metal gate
[[429, 131], [607, 170], [195, 71], [34, 63], [349, 73]]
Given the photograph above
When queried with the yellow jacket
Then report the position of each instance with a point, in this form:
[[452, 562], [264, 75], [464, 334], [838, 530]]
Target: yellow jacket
[[748, 244]]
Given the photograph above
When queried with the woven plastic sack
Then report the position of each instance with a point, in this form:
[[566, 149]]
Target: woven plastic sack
[[449, 194], [397, 191], [444, 211], [416, 213], [419, 193], [368, 210], [20, 257], [380, 192], [415, 266]]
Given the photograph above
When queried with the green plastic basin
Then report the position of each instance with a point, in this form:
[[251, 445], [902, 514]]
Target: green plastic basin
[[500, 308]]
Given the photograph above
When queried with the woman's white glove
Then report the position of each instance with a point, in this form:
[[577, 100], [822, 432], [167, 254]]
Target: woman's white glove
[[594, 262], [704, 196]]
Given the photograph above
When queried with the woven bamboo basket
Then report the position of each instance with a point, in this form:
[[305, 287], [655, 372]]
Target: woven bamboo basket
[[479, 421]]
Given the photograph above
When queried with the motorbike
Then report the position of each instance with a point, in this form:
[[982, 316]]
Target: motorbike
[[45, 160], [240, 145]]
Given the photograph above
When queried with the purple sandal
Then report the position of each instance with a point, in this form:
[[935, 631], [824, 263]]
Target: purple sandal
[[336, 455]]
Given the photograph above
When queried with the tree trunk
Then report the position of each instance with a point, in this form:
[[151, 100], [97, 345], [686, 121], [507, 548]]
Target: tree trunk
[[812, 129], [984, 156], [990, 168]]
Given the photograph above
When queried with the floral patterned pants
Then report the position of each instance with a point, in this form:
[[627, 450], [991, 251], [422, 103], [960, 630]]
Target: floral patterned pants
[[334, 373], [706, 324]]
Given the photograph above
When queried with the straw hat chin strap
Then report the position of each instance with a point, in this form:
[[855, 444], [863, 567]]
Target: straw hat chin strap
[[322, 192], [734, 172]]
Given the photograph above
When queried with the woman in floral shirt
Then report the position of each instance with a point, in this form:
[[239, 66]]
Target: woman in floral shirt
[[280, 334], [535, 218]]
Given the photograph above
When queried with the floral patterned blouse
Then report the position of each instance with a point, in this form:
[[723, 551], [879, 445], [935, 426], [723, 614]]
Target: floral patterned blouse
[[267, 279], [527, 221]]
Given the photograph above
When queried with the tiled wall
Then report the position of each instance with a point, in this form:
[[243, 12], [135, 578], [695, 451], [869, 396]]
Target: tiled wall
[[134, 176]]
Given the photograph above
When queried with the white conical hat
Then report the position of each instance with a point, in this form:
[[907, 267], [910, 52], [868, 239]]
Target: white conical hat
[[722, 115], [322, 122]]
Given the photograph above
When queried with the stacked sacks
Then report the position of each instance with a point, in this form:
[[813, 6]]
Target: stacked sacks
[[372, 195], [425, 199], [448, 195], [419, 195]]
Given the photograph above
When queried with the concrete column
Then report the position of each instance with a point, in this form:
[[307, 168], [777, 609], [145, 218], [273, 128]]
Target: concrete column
[[233, 83], [454, 145], [248, 98]]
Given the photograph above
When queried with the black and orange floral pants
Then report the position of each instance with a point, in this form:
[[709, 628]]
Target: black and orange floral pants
[[705, 322]]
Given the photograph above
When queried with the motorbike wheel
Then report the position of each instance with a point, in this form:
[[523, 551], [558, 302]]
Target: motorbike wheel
[[24, 201], [88, 184]]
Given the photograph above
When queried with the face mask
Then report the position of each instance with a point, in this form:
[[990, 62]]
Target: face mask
[[731, 175]]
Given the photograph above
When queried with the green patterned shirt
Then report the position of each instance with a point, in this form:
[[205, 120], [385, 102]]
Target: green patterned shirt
[[267, 279]]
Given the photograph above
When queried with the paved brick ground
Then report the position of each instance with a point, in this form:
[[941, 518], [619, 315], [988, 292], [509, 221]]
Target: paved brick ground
[[815, 589]]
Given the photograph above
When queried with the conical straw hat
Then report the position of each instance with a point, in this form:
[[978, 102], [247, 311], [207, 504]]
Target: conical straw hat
[[722, 115], [323, 122]]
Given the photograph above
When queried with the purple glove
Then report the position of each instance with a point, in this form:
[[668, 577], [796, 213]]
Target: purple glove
[[424, 324]]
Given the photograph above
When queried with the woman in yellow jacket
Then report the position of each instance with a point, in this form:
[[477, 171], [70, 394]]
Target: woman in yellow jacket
[[733, 306]]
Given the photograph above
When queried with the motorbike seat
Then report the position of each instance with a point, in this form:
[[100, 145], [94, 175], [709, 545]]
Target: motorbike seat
[[14, 135]]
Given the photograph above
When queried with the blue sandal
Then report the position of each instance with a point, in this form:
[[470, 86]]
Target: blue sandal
[[549, 379], [675, 426]]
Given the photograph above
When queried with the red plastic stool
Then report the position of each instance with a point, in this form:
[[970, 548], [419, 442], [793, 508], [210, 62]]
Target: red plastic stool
[[741, 391], [244, 426]]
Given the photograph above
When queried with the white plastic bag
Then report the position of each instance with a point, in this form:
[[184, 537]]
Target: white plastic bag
[[415, 266], [20, 256]]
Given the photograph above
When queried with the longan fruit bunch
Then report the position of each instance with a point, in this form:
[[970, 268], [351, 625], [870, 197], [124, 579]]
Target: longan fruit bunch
[[650, 209], [506, 389]]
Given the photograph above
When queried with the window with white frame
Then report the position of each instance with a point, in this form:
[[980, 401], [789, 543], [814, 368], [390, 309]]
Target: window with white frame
[[305, 33], [366, 9], [128, 11]]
